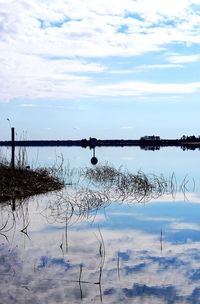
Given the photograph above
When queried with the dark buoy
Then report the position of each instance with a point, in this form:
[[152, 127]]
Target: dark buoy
[[94, 160]]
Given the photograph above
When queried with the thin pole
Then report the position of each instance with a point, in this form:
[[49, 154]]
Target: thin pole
[[13, 204], [13, 148]]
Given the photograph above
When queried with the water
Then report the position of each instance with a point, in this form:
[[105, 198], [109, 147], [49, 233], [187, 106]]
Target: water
[[121, 252]]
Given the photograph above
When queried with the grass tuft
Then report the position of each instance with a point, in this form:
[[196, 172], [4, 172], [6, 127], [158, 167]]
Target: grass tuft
[[22, 182]]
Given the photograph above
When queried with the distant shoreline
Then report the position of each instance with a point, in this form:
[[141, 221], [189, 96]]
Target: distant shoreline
[[93, 142]]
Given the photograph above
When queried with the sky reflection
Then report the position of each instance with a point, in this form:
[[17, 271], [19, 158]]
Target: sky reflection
[[151, 254]]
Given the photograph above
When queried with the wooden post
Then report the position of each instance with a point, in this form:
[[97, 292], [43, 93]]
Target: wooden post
[[13, 204], [13, 148]]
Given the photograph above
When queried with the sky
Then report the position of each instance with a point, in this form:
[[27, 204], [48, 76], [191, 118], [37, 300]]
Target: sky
[[71, 69]]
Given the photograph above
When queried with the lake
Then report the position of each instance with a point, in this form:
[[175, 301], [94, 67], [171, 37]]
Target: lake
[[90, 244]]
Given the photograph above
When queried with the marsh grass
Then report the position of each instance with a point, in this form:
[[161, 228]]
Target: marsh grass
[[94, 189], [21, 158], [120, 184], [21, 182], [84, 191]]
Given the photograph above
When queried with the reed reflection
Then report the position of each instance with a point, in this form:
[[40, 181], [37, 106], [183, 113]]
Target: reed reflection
[[74, 255], [89, 190]]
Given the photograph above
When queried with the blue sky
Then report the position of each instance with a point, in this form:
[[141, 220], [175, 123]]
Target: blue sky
[[103, 68]]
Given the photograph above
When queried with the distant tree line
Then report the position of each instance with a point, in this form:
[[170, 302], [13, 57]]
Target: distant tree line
[[190, 138]]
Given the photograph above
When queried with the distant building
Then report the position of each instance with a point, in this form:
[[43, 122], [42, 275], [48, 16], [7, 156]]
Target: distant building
[[153, 137]]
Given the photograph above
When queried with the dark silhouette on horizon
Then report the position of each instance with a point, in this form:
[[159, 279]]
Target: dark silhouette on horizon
[[146, 143]]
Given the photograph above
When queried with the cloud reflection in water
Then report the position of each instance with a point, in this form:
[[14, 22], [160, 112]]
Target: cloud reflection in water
[[147, 256]]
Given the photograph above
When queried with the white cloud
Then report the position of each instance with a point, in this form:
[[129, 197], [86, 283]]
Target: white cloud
[[136, 88], [71, 86], [90, 28], [45, 44], [184, 59], [159, 66], [143, 67], [28, 105]]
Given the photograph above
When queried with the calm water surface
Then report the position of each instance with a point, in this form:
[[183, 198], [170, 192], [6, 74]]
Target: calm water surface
[[122, 252]]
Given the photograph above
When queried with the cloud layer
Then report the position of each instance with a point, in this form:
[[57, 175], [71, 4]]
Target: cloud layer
[[64, 48]]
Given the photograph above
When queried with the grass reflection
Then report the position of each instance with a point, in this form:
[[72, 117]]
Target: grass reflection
[[88, 190], [120, 184], [130, 263]]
